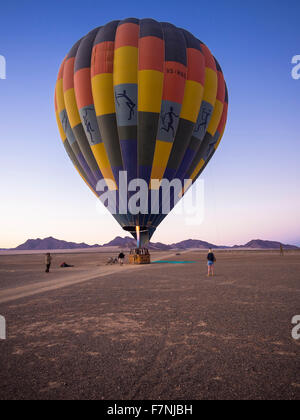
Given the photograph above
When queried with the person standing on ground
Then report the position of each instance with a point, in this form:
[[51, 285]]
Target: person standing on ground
[[211, 259], [121, 258], [48, 261], [281, 251]]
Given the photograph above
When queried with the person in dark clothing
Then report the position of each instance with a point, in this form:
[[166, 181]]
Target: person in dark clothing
[[211, 259], [121, 258], [281, 251], [48, 260], [65, 265]]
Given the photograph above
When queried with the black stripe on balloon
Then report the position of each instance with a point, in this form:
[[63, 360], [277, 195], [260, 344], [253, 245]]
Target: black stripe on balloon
[[107, 33], [150, 27], [74, 50], [84, 53], [191, 41], [175, 49], [130, 20]]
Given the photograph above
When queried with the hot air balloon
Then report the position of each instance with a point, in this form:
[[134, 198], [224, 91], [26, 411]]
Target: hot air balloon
[[140, 101]]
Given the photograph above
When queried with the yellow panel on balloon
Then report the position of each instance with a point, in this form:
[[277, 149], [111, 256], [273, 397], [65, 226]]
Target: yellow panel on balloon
[[161, 157], [216, 118], [211, 86], [150, 90], [103, 163], [126, 65], [193, 95], [71, 107], [60, 95], [103, 94]]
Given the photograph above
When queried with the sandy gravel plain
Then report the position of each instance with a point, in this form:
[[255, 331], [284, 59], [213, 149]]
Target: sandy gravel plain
[[164, 331]]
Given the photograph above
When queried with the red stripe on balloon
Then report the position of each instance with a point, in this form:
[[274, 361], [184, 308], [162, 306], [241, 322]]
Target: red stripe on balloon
[[223, 119], [127, 35], [151, 53], [209, 59], [196, 66], [103, 58], [174, 82], [68, 76], [221, 87], [82, 84]]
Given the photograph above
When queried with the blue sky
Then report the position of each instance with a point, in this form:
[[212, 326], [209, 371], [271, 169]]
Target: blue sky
[[251, 185]]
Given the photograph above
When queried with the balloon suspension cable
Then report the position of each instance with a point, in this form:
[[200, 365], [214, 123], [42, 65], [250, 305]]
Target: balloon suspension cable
[[138, 236]]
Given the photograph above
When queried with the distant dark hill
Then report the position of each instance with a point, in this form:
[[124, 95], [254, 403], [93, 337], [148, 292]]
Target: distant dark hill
[[158, 246], [128, 243], [50, 243], [260, 244], [194, 244]]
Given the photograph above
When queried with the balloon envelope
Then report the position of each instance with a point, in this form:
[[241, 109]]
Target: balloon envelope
[[138, 101]]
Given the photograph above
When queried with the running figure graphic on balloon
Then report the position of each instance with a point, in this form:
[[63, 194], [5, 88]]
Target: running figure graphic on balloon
[[130, 104], [168, 121]]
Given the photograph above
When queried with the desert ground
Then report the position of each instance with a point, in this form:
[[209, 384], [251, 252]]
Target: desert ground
[[164, 331]]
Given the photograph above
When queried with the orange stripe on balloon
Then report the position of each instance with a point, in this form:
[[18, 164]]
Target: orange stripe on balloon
[[209, 59], [196, 66], [103, 58], [174, 82], [151, 53], [221, 87], [127, 35], [223, 119], [68, 75], [82, 84]]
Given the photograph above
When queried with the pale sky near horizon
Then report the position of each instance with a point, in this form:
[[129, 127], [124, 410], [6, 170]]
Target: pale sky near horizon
[[252, 184]]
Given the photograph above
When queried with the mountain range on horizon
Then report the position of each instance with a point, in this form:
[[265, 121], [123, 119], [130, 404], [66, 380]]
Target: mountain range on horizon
[[51, 243]]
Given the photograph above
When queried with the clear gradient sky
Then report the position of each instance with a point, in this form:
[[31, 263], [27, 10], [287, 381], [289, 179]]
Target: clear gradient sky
[[252, 185]]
